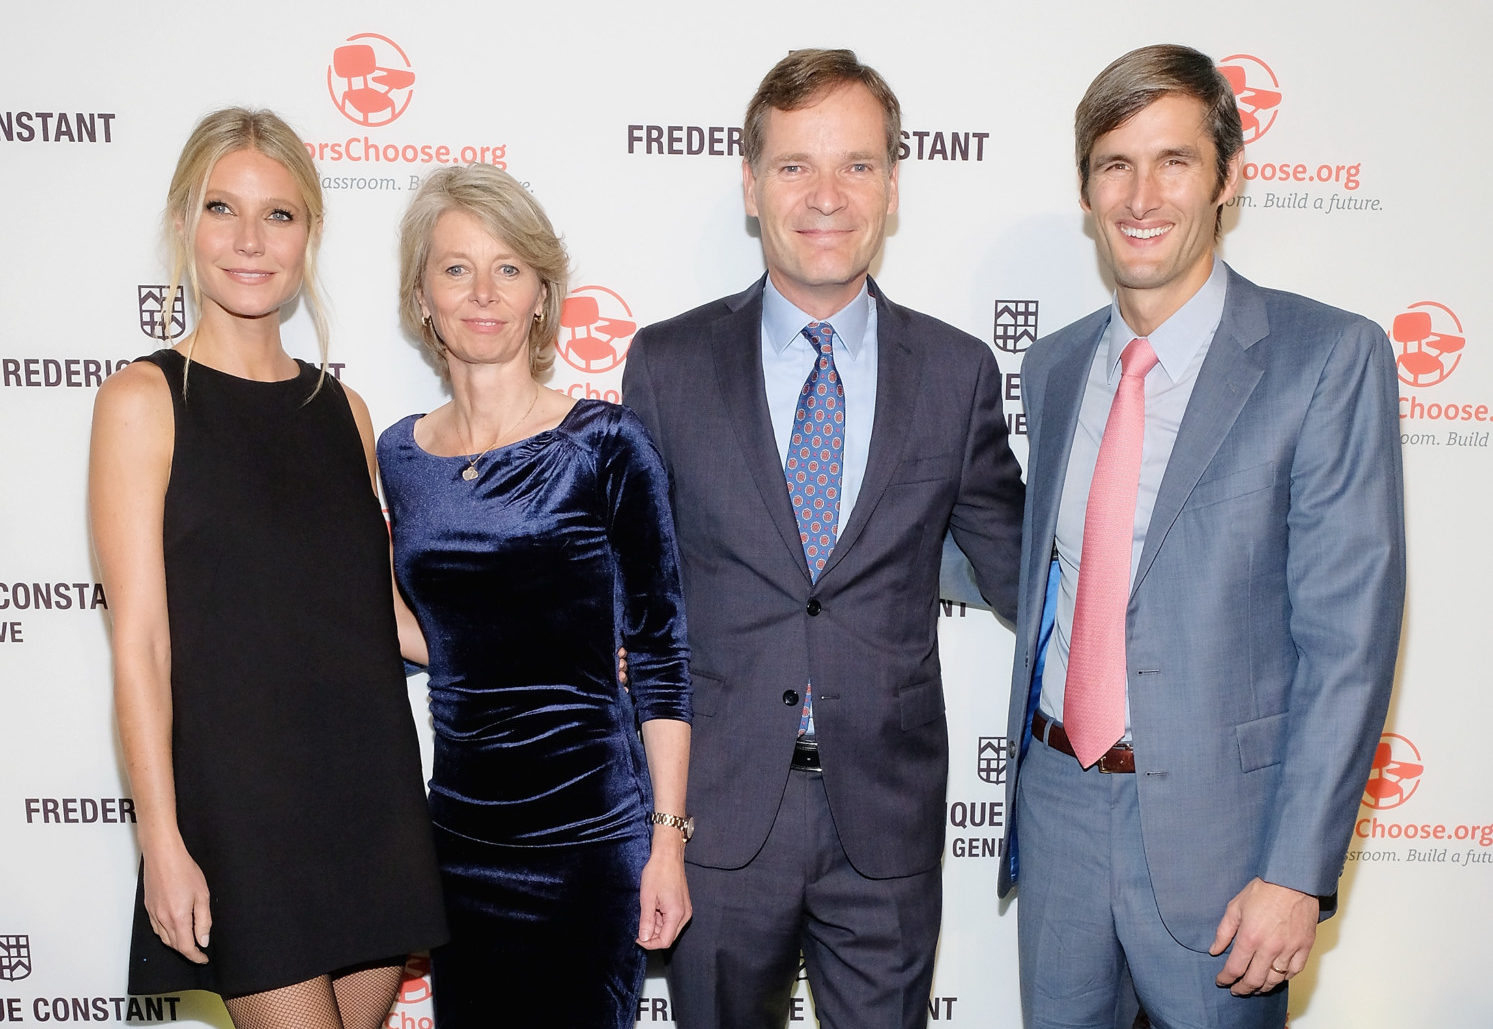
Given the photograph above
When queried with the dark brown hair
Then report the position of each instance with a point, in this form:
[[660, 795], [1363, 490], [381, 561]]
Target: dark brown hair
[[802, 78], [1141, 77]]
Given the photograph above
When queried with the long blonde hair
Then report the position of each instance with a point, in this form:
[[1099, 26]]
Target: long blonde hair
[[216, 136]]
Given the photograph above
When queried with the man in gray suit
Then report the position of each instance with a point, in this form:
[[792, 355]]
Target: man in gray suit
[[820, 751], [1195, 740]]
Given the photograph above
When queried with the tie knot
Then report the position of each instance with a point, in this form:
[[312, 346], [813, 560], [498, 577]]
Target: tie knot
[[1137, 358], [821, 335]]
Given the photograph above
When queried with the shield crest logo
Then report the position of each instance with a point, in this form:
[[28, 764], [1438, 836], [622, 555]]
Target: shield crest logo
[[153, 312], [990, 763], [15, 957]]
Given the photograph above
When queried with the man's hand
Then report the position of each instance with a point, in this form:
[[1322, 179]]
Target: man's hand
[[1272, 929]]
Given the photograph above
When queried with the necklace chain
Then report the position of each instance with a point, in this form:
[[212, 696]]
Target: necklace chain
[[470, 471]]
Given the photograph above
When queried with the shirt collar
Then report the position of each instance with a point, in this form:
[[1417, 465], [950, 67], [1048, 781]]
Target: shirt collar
[[782, 321], [1177, 340]]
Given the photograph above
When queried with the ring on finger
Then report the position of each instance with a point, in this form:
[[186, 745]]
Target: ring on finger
[[1279, 971]]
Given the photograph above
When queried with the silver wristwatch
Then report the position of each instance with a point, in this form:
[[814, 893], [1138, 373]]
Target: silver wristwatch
[[685, 824]]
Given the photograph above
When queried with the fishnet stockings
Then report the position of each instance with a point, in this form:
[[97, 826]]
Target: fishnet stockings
[[357, 999]]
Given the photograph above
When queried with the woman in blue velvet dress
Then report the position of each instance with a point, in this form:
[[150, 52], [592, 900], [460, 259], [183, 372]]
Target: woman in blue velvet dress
[[532, 539]]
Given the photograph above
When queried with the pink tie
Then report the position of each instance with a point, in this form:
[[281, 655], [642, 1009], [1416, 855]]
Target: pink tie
[[1094, 696]]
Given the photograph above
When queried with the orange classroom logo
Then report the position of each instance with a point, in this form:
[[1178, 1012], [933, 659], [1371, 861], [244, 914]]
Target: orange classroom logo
[[414, 986], [1256, 90], [1395, 774], [596, 328], [370, 79], [1428, 339]]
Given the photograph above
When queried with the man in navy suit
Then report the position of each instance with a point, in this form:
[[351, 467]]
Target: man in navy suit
[[820, 751], [1188, 782]]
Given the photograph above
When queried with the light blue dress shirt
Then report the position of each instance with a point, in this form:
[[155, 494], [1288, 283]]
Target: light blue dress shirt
[[787, 359], [1180, 343]]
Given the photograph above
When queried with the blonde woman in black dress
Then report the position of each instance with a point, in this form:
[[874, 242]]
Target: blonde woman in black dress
[[286, 855]]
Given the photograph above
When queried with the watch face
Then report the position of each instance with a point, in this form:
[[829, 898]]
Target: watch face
[[688, 828]]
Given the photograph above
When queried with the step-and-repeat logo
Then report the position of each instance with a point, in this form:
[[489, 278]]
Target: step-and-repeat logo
[[1429, 342], [15, 957], [992, 759], [153, 311], [596, 329], [370, 79], [1291, 182], [414, 987], [1395, 774], [1015, 324], [1394, 778], [1257, 91], [1428, 338]]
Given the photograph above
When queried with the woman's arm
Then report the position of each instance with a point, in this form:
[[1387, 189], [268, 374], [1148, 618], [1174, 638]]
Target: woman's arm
[[128, 470], [664, 896], [641, 529], [411, 639]]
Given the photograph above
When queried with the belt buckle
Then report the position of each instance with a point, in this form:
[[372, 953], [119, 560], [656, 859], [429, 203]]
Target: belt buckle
[[1104, 759], [805, 757]]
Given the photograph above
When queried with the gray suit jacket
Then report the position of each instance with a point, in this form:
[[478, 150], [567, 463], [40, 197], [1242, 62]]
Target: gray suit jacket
[[1264, 619], [866, 633]]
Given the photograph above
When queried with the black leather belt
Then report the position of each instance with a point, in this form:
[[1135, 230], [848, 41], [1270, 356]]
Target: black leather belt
[[806, 756], [1119, 758]]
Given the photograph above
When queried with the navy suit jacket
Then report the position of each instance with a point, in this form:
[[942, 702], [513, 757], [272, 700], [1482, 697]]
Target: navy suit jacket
[[1264, 619], [866, 633]]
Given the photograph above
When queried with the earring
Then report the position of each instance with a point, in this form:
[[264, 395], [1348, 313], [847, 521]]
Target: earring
[[538, 316], [439, 344]]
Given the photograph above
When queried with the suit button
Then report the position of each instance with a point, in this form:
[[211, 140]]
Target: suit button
[[812, 607], [790, 698]]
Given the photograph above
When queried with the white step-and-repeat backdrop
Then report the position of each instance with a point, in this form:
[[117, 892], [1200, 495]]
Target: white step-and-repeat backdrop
[[1365, 147]]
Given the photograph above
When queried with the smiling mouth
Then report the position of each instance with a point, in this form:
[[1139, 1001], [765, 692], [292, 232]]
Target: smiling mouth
[[1160, 230], [247, 275]]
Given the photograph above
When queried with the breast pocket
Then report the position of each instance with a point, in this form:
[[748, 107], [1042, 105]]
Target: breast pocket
[[940, 468], [1231, 486]]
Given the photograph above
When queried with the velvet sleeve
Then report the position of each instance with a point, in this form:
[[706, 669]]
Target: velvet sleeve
[[650, 597]]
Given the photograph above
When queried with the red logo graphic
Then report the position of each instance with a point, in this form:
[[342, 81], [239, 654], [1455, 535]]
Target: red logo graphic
[[415, 986], [1429, 337], [597, 327], [369, 79], [1395, 775], [1256, 90]]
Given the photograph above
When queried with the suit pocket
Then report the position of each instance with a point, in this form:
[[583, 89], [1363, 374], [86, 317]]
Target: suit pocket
[[920, 703], [705, 697], [1222, 488], [927, 469], [1261, 741]]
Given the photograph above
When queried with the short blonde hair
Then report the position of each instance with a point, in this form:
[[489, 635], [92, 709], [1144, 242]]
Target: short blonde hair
[[508, 211], [216, 136]]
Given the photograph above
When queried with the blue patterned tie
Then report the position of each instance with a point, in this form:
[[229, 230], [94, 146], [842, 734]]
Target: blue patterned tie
[[816, 454]]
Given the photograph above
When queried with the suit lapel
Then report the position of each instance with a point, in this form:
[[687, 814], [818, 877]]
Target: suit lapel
[[1225, 381], [1062, 392], [736, 348], [899, 375]]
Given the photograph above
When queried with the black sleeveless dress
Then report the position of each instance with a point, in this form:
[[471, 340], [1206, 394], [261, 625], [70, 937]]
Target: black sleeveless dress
[[297, 766]]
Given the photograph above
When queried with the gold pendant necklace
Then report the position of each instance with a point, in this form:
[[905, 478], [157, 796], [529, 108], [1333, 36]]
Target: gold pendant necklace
[[470, 471]]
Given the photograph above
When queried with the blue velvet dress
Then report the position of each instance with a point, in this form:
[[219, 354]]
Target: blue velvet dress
[[526, 580]]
